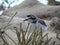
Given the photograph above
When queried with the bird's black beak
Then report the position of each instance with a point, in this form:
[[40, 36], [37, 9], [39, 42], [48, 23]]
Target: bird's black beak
[[26, 19]]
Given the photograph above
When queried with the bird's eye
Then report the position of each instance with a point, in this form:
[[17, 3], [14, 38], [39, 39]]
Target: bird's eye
[[28, 15]]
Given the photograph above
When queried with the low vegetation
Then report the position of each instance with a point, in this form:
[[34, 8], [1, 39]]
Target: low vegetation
[[26, 37]]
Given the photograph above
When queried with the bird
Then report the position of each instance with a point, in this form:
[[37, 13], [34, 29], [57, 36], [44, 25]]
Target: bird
[[35, 21]]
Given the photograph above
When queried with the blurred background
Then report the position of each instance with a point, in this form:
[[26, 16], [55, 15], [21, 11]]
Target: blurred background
[[50, 10], [5, 4]]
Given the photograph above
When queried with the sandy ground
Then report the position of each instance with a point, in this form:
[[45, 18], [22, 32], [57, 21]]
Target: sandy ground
[[15, 23], [14, 37]]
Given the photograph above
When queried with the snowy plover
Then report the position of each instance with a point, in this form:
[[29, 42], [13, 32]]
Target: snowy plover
[[34, 20]]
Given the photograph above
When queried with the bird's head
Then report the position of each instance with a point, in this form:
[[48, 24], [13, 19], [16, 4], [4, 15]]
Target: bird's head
[[30, 18]]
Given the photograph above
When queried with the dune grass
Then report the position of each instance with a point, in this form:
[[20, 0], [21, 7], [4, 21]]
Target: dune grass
[[26, 37]]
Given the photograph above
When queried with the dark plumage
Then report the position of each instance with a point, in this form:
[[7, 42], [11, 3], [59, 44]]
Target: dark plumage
[[2, 32], [34, 20], [31, 17], [42, 22]]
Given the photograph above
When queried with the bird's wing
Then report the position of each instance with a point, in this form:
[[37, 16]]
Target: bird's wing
[[42, 22]]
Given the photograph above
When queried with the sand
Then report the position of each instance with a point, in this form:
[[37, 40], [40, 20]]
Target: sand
[[15, 23]]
